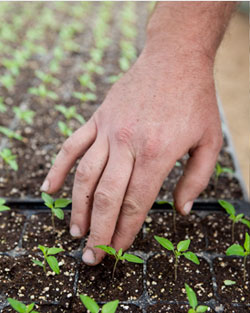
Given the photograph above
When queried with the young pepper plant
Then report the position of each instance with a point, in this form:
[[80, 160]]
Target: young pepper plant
[[55, 206], [20, 307], [48, 254], [25, 115], [9, 158], [70, 113], [181, 249], [3, 207], [220, 170], [241, 251], [3, 107], [234, 218], [93, 307], [119, 256], [10, 133], [192, 299]]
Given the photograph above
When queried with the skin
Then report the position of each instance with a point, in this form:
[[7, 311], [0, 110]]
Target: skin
[[162, 108]]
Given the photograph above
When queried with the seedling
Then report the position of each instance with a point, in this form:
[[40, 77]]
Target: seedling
[[91, 305], [114, 78], [229, 282], [182, 248], [3, 107], [219, 170], [25, 115], [10, 133], [119, 256], [92, 67], [174, 211], [241, 251], [64, 129], [8, 81], [9, 158], [48, 254], [70, 113], [234, 218], [47, 78], [55, 206], [85, 81], [2, 206], [43, 92], [20, 307], [192, 299], [87, 96]]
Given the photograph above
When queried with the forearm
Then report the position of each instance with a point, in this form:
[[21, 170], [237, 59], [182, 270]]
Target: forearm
[[187, 28]]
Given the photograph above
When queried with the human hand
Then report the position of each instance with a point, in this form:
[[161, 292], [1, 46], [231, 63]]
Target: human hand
[[160, 110]]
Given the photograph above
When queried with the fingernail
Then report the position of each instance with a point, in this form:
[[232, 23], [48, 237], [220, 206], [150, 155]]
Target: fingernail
[[75, 231], [45, 186], [88, 256], [187, 207]]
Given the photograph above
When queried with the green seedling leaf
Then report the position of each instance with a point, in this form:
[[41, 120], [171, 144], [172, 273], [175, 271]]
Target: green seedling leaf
[[17, 305], [201, 308], [2, 206], [59, 213], [132, 258], [235, 250], [119, 253], [165, 243], [90, 304], [110, 307], [192, 257], [227, 206], [43, 249], [238, 217], [9, 158], [30, 307], [62, 203], [10, 133], [48, 200], [191, 297], [191, 311], [229, 282], [107, 249], [53, 263], [37, 262], [247, 243], [183, 245], [245, 222], [54, 250]]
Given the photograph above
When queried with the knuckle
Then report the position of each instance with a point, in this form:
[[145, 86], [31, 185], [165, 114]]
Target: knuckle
[[131, 208], [67, 147], [150, 150], [123, 135], [83, 173], [102, 201]]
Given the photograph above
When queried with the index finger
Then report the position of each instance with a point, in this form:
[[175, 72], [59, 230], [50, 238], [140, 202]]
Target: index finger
[[71, 150]]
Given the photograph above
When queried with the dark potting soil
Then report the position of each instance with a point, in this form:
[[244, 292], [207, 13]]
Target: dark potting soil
[[232, 268], [170, 308], [126, 285], [161, 284]]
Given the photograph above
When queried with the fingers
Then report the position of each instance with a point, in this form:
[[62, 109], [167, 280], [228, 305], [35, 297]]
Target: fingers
[[71, 150], [86, 179], [196, 176], [107, 202], [143, 188]]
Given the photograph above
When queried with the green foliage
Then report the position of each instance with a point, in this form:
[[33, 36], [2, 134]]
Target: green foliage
[[9, 158], [114, 78], [119, 256], [70, 113], [87, 96], [232, 216], [43, 92], [21, 307], [8, 81], [55, 206], [86, 81], [10, 133], [2, 206], [64, 129], [192, 299], [48, 254], [25, 115], [239, 250], [47, 78], [219, 170], [181, 250], [91, 67], [93, 307], [229, 282], [3, 107]]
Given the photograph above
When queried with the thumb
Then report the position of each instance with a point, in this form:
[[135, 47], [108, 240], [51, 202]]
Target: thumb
[[197, 173]]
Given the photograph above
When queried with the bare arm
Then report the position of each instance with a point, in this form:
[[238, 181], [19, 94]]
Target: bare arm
[[162, 108]]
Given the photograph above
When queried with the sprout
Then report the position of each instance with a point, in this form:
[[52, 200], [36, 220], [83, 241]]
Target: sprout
[[192, 299], [43, 92], [55, 206], [64, 129], [10, 133], [25, 115], [93, 307], [219, 170], [87, 96], [9, 158], [2, 206], [48, 254], [182, 248], [229, 282], [21, 307], [239, 250], [70, 113], [47, 78], [3, 107], [8, 81], [235, 218], [85, 81], [119, 256]]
